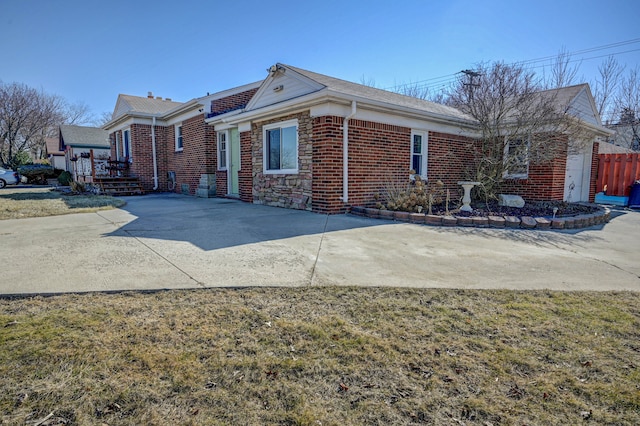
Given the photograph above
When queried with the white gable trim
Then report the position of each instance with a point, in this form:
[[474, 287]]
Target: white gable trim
[[276, 82]]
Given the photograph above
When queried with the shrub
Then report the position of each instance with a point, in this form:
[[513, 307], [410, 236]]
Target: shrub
[[77, 187], [65, 178], [412, 195], [36, 173]]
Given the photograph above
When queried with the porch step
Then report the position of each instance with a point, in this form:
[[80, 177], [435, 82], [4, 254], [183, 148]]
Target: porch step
[[120, 186]]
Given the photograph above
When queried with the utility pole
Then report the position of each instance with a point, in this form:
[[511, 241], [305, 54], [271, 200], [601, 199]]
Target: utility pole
[[471, 75]]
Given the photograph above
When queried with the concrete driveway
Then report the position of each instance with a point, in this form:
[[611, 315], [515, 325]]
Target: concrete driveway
[[170, 241]]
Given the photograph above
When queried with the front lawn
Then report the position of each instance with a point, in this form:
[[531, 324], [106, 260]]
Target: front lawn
[[18, 203], [321, 356]]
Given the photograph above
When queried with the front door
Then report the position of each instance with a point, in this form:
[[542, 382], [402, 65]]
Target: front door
[[234, 162]]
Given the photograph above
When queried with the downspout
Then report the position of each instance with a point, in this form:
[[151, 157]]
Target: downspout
[[345, 153], [153, 150]]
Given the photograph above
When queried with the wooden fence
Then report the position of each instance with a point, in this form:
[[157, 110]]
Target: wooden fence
[[617, 172]]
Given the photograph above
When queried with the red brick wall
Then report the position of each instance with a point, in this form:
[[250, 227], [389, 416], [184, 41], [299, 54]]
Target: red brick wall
[[378, 154], [327, 164], [284, 190], [230, 103], [545, 181], [450, 159], [142, 155], [245, 175], [197, 156]]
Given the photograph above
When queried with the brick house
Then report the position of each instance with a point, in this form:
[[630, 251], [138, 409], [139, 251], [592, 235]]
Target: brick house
[[166, 144], [308, 141]]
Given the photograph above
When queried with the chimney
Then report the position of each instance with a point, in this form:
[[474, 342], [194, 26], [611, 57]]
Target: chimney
[[150, 95]]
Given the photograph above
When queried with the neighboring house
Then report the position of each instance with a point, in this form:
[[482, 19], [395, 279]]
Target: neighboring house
[[308, 141], [610, 148], [627, 135], [79, 144], [54, 154]]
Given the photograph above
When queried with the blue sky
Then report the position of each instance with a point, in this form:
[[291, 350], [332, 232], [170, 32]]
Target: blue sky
[[90, 51]]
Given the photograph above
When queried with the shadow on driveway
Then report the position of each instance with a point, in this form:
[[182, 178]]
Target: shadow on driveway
[[217, 223]]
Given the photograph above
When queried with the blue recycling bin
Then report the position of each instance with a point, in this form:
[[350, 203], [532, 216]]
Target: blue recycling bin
[[634, 196]]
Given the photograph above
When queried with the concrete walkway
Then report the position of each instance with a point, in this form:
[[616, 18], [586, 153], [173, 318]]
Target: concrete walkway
[[170, 241]]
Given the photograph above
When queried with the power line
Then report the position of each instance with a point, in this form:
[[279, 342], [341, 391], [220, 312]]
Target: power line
[[445, 80]]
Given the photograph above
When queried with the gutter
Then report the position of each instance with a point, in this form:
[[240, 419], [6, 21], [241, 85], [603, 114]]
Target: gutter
[[154, 155], [345, 153]]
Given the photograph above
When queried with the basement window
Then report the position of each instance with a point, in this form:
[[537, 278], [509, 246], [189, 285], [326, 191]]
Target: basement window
[[281, 147]]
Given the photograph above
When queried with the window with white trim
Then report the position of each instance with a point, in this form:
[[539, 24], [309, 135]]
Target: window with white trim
[[126, 143], [281, 147], [516, 158], [222, 150], [419, 153], [179, 138]]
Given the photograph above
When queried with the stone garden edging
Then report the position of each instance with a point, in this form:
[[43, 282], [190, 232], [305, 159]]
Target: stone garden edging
[[603, 215]]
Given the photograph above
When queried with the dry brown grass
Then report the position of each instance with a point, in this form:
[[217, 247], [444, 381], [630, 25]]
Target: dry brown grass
[[18, 203], [321, 356]]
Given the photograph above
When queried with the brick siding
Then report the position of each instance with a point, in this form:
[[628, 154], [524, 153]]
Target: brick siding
[[233, 102], [545, 181], [377, 153], [197, 157]]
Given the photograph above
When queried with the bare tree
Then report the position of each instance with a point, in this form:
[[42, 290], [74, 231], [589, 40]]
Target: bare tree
[[367, 81], [420, 91], [562, 73], [519, 124], [26, 118], [102, 119], [77, 114], [29, 116], [627, 111], [605, 87]]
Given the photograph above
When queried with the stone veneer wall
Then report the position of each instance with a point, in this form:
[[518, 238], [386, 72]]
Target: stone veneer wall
[[283, 190]]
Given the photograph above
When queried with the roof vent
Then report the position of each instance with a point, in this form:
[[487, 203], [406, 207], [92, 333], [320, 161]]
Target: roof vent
[[167, 99], [150, 95], [159, 97]]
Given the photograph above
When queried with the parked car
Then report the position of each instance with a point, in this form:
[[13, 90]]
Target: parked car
[[8, 177]]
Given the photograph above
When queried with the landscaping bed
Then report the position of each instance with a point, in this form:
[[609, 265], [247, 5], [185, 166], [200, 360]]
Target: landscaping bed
[[535, 215]]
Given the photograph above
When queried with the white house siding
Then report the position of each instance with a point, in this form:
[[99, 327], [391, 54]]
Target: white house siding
[[292, 87], [582, 108]]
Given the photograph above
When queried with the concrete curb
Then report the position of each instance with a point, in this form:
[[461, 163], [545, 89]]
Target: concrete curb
[[602, 216]]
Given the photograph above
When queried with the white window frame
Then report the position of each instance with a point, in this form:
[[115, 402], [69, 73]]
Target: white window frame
[[224, 134], [126, 144], [179, 137], [506, 174], [424, 153], [265, 157]]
